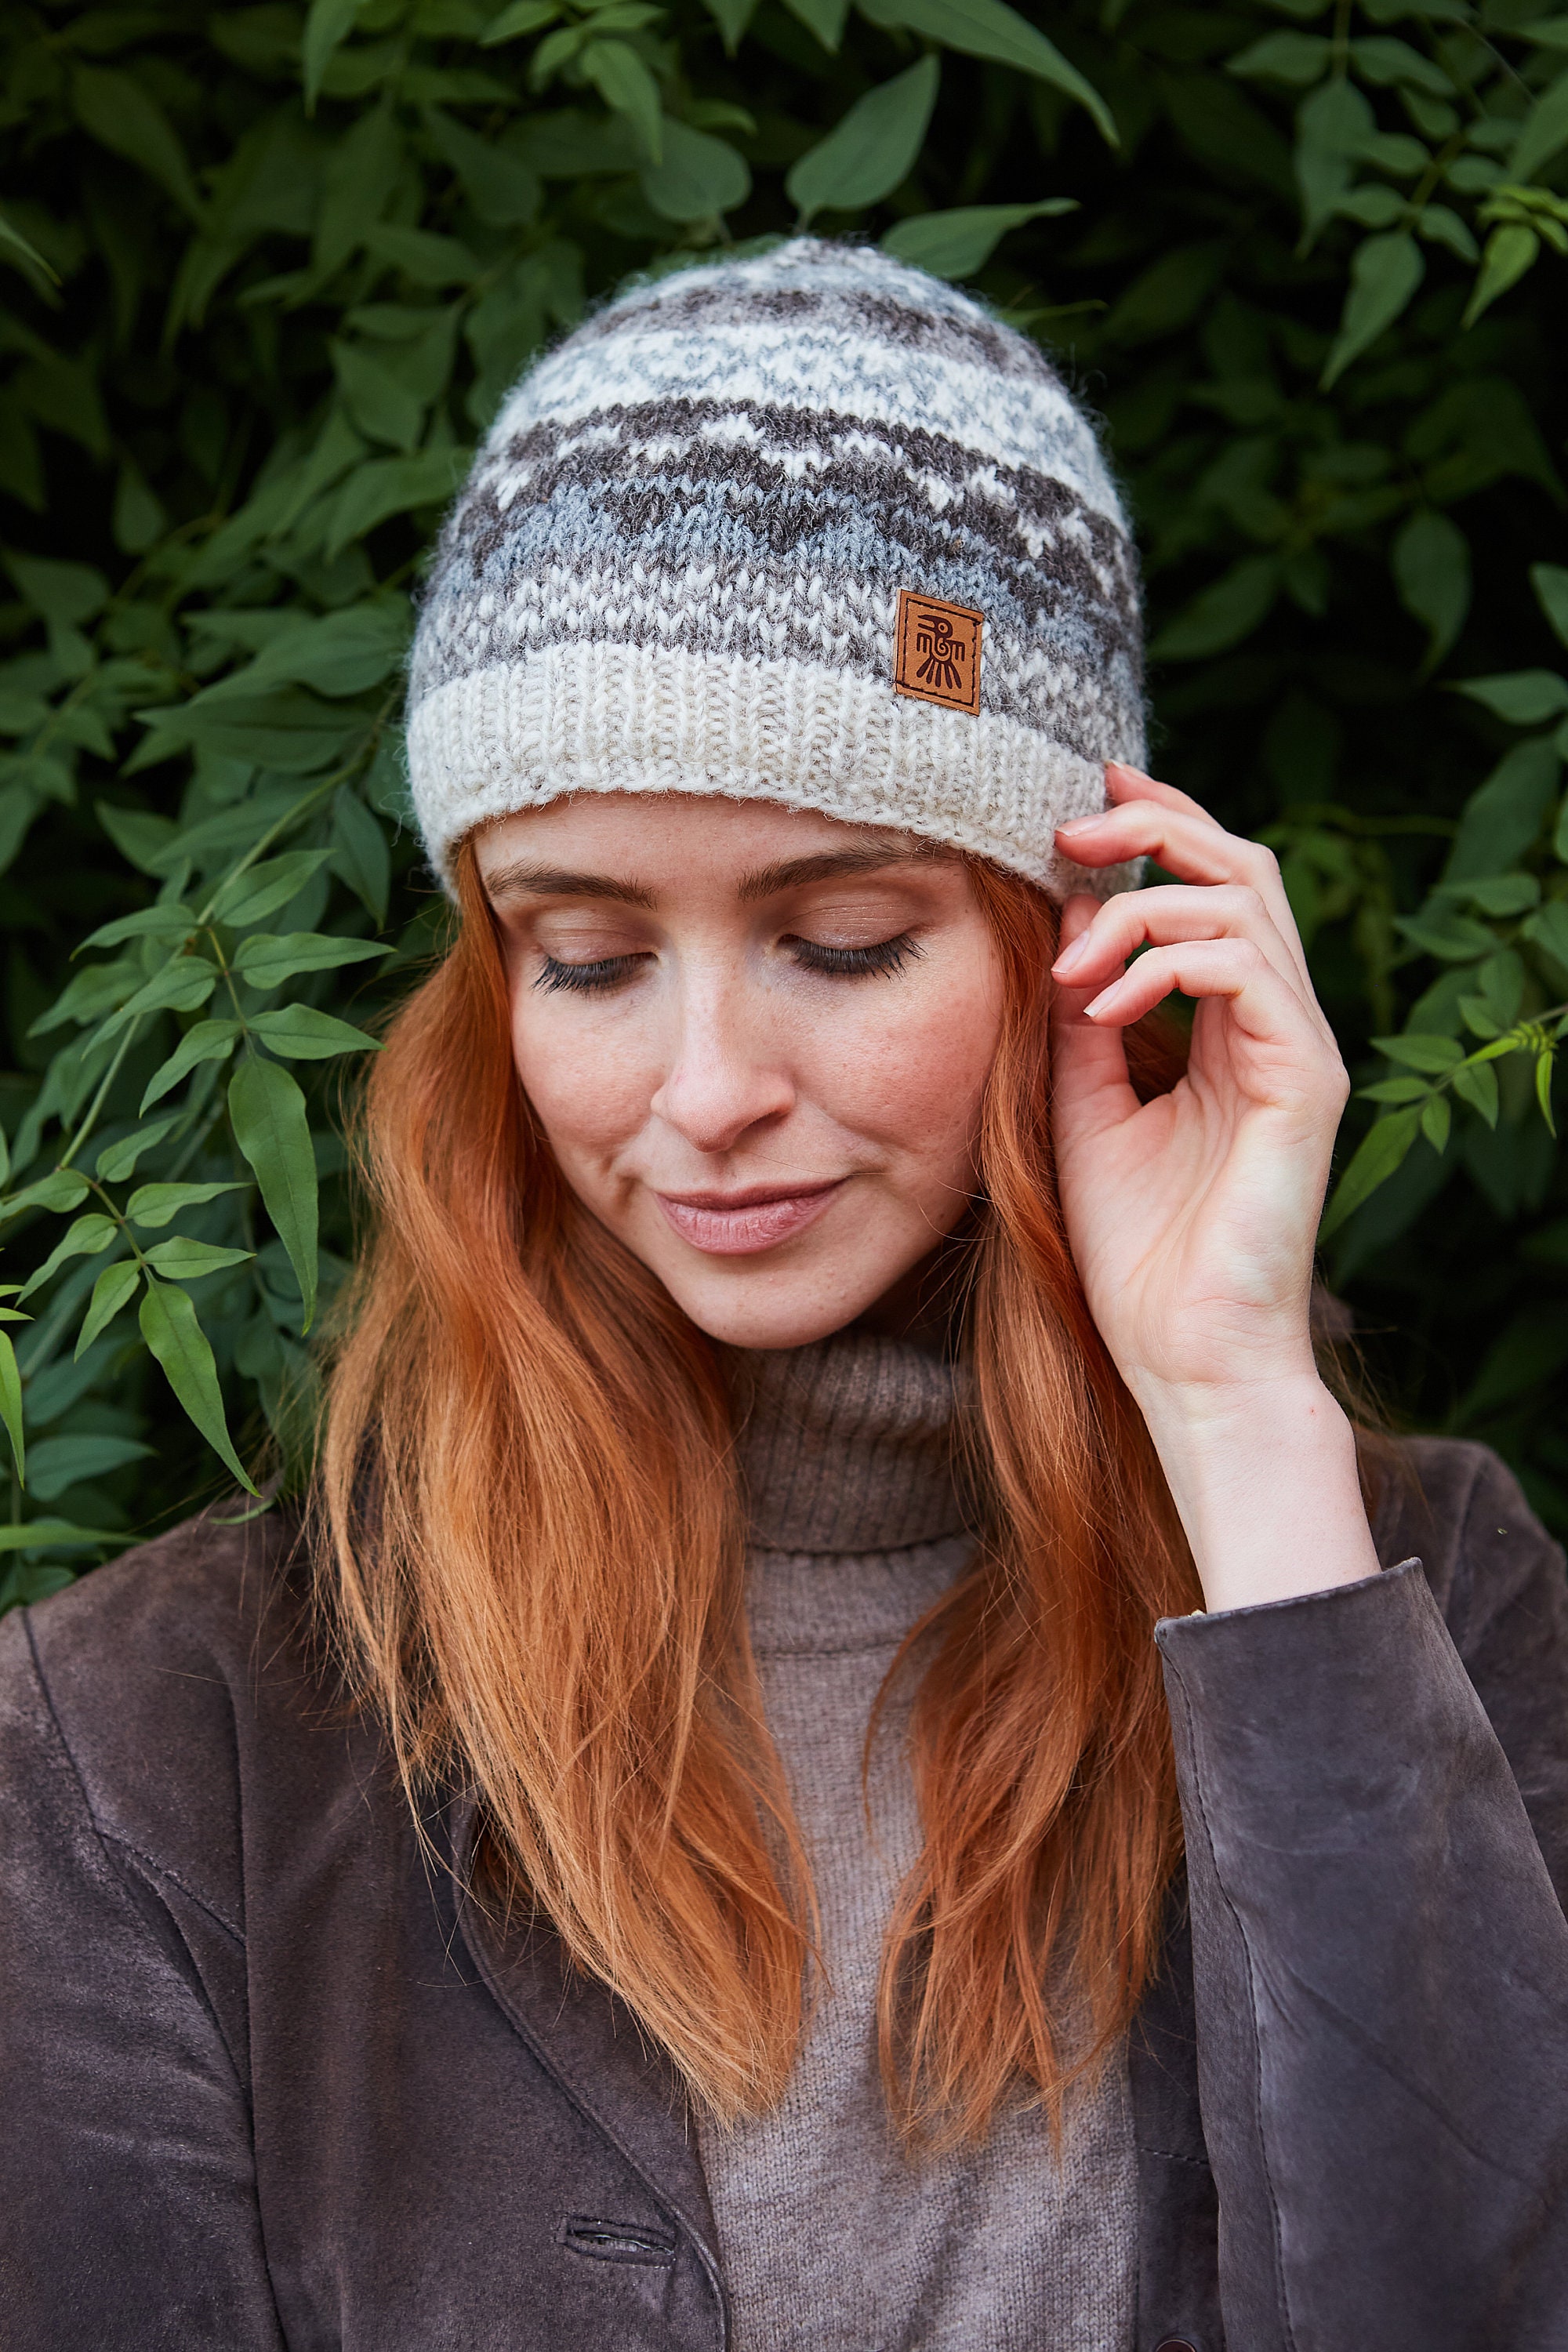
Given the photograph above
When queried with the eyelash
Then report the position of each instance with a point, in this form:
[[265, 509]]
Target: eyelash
[[880, 961]]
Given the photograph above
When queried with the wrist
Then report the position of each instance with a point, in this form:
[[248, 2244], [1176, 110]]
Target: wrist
[[1263, 1474]]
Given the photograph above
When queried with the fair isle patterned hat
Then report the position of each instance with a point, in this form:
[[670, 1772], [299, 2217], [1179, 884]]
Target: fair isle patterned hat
[[808, 527]]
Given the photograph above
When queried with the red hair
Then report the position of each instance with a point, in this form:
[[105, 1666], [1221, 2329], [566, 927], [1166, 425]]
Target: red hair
[[533, 1559]]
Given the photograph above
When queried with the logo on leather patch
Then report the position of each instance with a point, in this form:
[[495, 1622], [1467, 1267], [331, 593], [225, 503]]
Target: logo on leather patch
[[937, 656]]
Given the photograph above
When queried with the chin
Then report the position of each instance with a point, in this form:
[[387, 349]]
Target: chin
[[764, 1308]]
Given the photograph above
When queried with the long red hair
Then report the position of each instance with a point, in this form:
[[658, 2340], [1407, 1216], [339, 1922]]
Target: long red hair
[[532, 1557]]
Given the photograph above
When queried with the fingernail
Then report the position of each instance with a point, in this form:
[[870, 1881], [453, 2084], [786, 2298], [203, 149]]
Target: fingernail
[[1080, 823], [1092, 1009], [1072, 955], [1120, 768]]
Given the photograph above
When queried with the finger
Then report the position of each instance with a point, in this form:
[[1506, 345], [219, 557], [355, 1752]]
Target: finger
[[1265, 1008], [1155, 820], [1091, 1089], [1168, 914]]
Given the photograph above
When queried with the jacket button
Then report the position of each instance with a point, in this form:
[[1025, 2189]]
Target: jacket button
[[1175, 2344]]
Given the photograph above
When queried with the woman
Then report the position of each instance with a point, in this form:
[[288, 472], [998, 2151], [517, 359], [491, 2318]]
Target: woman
[[691, 1851]]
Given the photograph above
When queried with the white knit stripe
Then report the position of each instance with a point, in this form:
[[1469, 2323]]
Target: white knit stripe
[[1010, 420], [615, 717]]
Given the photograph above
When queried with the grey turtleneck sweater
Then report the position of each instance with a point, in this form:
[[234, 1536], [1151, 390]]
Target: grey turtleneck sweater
[[834, 2240]]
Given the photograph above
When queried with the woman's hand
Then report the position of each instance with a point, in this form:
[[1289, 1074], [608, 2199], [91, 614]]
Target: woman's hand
[[1192, 1218]]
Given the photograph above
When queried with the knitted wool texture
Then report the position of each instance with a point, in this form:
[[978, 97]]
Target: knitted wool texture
[[677, 565]]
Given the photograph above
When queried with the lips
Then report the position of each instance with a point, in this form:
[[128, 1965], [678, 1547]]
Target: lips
[[739, 1223]]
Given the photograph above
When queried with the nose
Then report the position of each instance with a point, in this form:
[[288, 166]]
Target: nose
[[725, 1076]]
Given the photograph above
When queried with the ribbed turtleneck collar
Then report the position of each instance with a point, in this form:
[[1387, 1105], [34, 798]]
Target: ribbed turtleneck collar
[[849, 1445]]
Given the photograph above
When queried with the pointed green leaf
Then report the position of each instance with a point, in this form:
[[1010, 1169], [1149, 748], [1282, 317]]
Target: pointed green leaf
[[273, 1131], [957, 244], [45, 1535], [1525, 698], [523, 17], [1380, 1151], [172, 1332], [1432, 574], [1549, 582], [1544, 1062], [261, 889], [181, 1259], [11, 1404], [264, 961], [1544, 134], [1433, 1055], [62, 1191], [627, 87], [185, 983], [123, 117], [114, 1289], [116, 1162], [147, 923], [327, 26], [989, 28], [1476, 1084], [1384, 273], [1436, 1121], [1510, 250], [208, 1041], [698, 176], [61, 1462], [87, 1238], [301, 1034], [360, 853], [871, 151], [153, 1204]]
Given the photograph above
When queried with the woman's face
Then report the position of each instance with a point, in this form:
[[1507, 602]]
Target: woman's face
[[756, 1040]]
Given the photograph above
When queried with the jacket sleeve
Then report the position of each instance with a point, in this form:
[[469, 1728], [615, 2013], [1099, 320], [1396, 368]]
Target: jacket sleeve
[[1380, 1958], [128, 2209]]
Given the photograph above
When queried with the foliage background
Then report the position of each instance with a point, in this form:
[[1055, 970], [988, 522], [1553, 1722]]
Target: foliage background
[[268, 275]]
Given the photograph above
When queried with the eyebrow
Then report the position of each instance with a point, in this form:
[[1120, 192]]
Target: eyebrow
[[520, 880]]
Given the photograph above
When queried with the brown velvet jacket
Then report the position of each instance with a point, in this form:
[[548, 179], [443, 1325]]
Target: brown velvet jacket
[[267, 2079]]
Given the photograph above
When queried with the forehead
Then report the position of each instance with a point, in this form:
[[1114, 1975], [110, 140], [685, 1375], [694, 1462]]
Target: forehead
[[665, 837]]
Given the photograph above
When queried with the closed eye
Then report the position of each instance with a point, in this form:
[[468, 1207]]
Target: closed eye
[[885, 957], [589, 979]]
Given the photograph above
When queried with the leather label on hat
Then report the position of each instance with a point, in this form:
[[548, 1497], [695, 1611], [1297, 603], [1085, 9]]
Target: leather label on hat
[[937, 656]]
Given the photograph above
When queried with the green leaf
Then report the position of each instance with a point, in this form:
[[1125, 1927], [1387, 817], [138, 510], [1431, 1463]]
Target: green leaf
[[503, 190], [1224, 613], [1299, 57], [988, 28], [327, 26], [146, 923], [872, 149], [1385, 274], [180, 1259], [175, 1338], [1544, 134], [523, 17], [1432, 574], [698, 178], [1549, 582], [116, 1162], [825, 18], [114, 1289], [1544, 1062], [154, 1205], [264, 962], [273, 1129], [11, 1405], [1434, 1054], [261, 889], [390, 486], [64, 594], [1503, 816], [62, 1191], [360, 856], [1476, 1084], [1396, 1090], [1436, 1121], [301, 1034], [206, 1040], [1524, 697], [956, 244], [627, 87], [88, 1237], [58, 1463], [1548, 931], [383, 408], [1509, 251], [47, 1535], [146, 839], [123, 117], [1381, 1150], [185, 983]]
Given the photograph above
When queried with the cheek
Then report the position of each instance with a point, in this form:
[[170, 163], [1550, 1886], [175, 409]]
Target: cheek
[[586, 1079], [911, 1074]]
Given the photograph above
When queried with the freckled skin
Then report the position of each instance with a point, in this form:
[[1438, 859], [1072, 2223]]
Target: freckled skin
[[710, 1056]]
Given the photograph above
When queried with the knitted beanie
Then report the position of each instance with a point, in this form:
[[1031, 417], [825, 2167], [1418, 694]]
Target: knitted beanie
[[807, 527]]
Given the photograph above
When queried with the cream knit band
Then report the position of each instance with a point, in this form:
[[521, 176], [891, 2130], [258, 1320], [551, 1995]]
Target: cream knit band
[[810, 528]]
